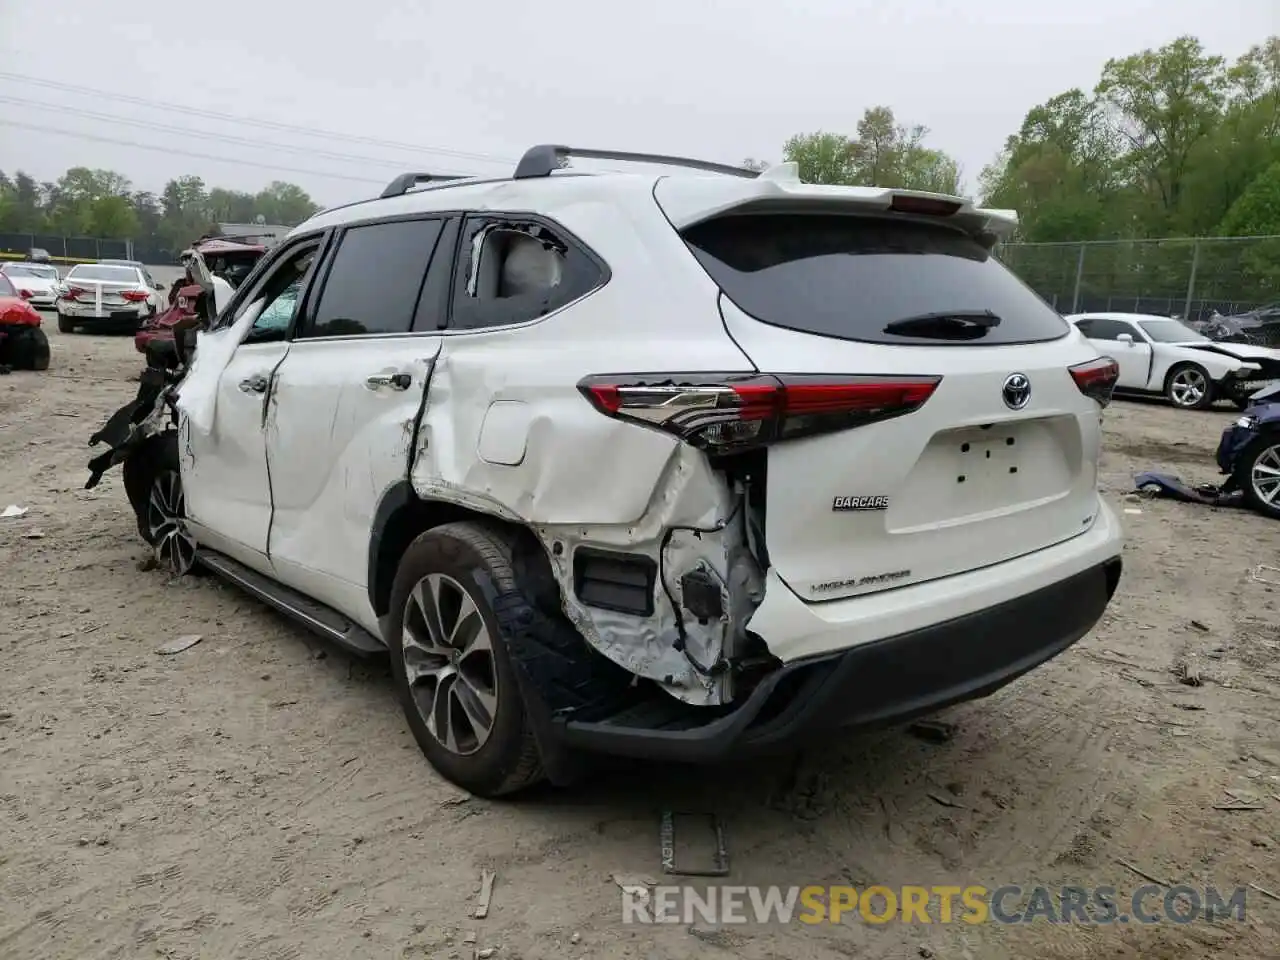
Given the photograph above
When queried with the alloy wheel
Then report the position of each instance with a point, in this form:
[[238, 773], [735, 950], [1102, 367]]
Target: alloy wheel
[[1264, 476], [449, 665], [166, 522], [1188, 387]]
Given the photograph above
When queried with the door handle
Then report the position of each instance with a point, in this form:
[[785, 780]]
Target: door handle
[[255, 384], [396, 381]]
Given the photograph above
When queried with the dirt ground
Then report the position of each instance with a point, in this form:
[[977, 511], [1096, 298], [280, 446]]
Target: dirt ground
[[259, 795]]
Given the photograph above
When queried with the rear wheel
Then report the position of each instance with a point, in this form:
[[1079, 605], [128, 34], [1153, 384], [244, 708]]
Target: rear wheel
[[153, 483], [1188, 386], [29, 350], [65, 324], [449, 659], [1258, 475]]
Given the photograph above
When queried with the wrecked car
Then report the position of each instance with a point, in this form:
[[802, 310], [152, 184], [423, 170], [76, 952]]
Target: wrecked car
[[1160, 356], [1249, 453], [23, 344], [227, 261], [679, 467], [1260, 326]]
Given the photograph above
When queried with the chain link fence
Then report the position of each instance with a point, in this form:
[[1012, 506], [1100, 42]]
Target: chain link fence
[[1186, 277], [70, 250]]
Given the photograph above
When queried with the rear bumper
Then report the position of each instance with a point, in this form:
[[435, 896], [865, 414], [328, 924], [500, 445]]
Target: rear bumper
[[88, 314], [875, 683]]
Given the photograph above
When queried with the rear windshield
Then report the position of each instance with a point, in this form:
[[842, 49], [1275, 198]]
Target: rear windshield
[[100, 272], [28, 270], [860, 278]]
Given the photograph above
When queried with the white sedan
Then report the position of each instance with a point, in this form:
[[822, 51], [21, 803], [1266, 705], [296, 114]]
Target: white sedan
[[106, 295], [1160, 356], [35, 282]]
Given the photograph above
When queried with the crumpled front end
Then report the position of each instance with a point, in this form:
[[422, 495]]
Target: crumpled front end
[[148, 413]]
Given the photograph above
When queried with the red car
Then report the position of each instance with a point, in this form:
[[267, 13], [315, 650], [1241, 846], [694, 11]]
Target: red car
[[23, 345], [227, 258]]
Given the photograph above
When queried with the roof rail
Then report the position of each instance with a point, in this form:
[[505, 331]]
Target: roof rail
[[546, 158], [407, 181]]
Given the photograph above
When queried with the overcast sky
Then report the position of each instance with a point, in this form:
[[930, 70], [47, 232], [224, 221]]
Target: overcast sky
[[422, 82]]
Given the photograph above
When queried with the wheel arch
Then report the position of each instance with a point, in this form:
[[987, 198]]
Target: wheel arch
[[403, 515]]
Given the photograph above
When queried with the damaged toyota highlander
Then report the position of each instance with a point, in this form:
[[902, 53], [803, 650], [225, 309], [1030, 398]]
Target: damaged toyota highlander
[[685, 466]]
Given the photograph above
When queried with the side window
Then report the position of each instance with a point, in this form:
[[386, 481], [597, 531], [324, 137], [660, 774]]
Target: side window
[[1104, 329], [374, 279], [275, 297], [512, 270], [1086, 327]]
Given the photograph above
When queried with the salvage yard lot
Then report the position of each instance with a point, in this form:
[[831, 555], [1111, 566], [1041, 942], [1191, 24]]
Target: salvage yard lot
[[259, 795]]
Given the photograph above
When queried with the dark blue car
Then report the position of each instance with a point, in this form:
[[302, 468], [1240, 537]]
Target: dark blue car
[[1249, 453]]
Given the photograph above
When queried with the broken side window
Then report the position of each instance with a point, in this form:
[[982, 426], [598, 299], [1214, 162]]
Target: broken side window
[[512, 271]]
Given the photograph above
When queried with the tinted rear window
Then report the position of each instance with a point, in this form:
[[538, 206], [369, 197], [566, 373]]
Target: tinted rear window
[[851, 277]]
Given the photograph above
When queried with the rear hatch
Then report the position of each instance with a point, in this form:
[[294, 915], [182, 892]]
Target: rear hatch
[[817, 284]]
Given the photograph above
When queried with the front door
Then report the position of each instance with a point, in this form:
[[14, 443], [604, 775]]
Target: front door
[[1133, 358], [225, 474]]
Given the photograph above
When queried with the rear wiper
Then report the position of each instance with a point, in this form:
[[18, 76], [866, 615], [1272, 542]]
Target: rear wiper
[[946, 325]]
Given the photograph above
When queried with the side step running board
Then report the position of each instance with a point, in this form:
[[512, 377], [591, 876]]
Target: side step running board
[[322, 620]]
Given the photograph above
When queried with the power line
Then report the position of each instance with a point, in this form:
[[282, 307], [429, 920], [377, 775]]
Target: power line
[[250, 121], [204, 134], [235, 161]]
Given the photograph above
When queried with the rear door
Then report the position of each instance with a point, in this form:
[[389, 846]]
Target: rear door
[[347, 400], [1001, 459]]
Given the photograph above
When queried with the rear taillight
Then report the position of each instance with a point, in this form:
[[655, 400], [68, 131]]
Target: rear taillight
[[730, 412], [135, 296], [73, 293], [1096, 378], [924, 206]]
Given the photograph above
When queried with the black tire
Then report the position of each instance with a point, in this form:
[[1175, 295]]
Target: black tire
[[29, 350], [154, 456], [1243, 474], [1186, 371], [65, 324], [478, 559]]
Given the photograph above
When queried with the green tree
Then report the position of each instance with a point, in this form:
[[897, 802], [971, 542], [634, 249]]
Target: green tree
[[285, 203], [1163, 103], [1256, 213], [1057, 171], [884, 153], [823, 157], [112, 217]]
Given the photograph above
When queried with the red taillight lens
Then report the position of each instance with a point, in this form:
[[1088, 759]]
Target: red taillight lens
[[73, 293], [1096, 378], [134, 296], [923, 206], [731, 412]]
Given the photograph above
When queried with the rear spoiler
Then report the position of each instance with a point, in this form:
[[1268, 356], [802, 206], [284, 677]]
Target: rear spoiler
[[689, 200]]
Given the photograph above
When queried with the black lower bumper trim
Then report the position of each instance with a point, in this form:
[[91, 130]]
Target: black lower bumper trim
[[875, 683]]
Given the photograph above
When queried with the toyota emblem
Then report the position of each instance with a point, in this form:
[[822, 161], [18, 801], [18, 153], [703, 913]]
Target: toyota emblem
[[1016, 391]]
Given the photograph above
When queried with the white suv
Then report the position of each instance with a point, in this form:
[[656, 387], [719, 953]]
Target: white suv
[[672, 466]]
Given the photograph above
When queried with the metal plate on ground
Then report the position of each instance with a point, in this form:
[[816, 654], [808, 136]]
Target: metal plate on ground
[[708, 840]]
